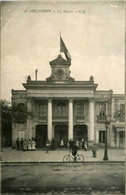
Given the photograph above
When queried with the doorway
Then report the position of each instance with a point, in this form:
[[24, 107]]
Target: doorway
[[121, 139], [80, 132], [41, 136], [61, 133]]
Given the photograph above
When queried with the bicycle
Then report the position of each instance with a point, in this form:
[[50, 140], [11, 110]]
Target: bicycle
[[70, 158]]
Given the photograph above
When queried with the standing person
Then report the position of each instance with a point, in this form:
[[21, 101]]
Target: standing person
[[94, 149], [65, 143], [18, 144], [61, 144], [53, 144], [85, 146], [82, 143], [25, 145], [21, 143], [47, 146], [33, 144], [29, 144], [70, 144], [77, 144]]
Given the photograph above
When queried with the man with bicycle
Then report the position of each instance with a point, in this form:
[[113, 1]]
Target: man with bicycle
[[74, 151]]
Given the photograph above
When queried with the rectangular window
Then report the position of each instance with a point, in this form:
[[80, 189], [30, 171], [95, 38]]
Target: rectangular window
[[80, 109], [21, 107], [122, 112], [21, 116], [43, 110], [122, 137], [101, 136], [61, 109], [102, 109]]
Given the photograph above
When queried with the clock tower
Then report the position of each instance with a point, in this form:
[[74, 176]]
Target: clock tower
[[60, 71]]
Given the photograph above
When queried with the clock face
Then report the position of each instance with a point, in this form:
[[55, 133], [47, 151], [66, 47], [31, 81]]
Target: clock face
[[60, 72]]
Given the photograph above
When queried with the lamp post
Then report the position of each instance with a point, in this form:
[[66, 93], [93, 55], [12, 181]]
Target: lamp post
[[106, 146]]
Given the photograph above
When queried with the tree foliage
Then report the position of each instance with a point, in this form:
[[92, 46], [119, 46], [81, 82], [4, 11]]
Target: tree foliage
[[15, 112], [119, 116]]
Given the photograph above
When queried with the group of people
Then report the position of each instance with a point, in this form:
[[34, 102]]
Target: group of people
[[80, 144], [30, 145], [25, 145], [75, 149]]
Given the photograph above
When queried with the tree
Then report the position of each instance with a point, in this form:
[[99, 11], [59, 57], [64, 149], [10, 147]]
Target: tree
[[16, 113], [119, 116], [6, 123]]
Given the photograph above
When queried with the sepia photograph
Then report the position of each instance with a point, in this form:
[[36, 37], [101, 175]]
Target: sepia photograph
[[62, 97]]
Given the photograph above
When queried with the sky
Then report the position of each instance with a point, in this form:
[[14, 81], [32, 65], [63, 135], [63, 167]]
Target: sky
[[92, 31]]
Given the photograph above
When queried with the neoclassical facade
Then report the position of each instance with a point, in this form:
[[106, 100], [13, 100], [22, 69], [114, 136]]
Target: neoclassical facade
[[63, 108]]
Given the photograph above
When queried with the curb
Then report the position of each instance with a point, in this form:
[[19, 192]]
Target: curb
[[62, 163]]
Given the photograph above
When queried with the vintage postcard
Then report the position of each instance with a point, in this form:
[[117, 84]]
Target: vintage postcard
[[62, 97]]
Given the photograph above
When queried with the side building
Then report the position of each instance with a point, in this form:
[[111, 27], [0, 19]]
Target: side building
[[63, 108]]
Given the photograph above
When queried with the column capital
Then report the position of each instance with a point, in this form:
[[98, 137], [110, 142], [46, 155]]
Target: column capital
[[71, 100], [92, 99], [50, 100], [29, 99], [113, 99]]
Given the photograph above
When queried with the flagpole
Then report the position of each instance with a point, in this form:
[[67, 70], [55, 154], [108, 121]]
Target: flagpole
[[60, 38]]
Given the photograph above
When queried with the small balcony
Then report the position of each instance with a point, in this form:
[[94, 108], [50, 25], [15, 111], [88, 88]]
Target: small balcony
[[60, 117], [101, 119], [42, 118], [80, 118]]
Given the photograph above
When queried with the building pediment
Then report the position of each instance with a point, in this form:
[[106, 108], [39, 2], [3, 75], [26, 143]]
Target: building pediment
[[59, 61]]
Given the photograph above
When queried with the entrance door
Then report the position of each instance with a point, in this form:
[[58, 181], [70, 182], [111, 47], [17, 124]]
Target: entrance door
[[79, 132], [61, 133], [41, 135], [121, 139]]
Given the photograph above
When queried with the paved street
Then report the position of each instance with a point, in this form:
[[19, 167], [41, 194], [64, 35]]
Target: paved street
[[21, 176], [32, 178], [12, 155]]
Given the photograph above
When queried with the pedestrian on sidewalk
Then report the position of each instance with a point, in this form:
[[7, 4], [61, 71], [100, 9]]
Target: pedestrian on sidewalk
[[33, 144], [61, 144], [94, 149], [77, 144], [29, 144], [21, 143], [82, 143], [85, 146], [18, 144], [25, 145], [47, 146]]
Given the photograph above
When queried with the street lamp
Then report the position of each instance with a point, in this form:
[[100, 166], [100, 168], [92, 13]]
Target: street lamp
[[106, 146]]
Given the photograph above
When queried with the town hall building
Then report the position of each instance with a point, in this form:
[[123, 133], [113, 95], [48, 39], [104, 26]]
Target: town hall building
[[65, 109]]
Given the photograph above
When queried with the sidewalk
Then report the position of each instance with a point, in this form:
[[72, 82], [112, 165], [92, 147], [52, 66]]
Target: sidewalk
[[12, 155]]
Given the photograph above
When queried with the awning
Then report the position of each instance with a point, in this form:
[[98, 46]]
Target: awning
[[119, 127]]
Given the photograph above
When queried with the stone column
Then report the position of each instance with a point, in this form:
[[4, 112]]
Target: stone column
[[106, 108], [97, 137], [113, 108], [70, 131], [50, 119], [91, 121], [53, 129], [29, 121]]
